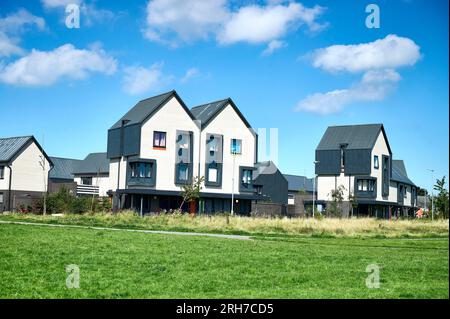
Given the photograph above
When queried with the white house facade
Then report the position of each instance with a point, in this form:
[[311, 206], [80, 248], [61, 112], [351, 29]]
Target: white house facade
[[24, 168], [357, 160]]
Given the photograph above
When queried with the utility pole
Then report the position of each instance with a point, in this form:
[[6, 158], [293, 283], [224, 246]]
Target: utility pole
[[42, 164], [314, 188], [432, 193], [232, 183]]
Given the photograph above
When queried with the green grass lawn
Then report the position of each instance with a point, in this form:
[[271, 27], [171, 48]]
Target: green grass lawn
[[119, 264]]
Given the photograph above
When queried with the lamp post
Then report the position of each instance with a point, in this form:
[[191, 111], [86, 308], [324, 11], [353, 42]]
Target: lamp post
[[432, 193], [314, 189], [232, 183]]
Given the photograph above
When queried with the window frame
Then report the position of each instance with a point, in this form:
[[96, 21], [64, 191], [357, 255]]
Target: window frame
[[87, 177], [239, 141], [376, 162], [245, 187], [134, 178], [2, 171], [2, 198], [365, 186], [160, 134]]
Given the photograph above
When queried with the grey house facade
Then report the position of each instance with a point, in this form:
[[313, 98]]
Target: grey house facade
[[300, 193], [358, 160]]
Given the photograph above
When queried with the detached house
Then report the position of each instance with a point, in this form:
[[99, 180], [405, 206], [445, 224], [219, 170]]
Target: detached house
[[24, 168], [358, 160], [160, 145]]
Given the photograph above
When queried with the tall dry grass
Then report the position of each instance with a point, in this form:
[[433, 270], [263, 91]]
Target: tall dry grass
[[332, 227]]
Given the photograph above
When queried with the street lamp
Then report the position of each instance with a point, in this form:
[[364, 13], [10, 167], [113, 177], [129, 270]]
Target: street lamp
[[314, 188], [432, 193]]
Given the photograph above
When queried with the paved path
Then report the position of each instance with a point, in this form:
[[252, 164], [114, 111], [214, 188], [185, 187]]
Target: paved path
[[131, 230]]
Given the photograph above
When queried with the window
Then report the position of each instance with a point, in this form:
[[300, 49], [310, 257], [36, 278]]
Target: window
[[86, 180], [236, 146], [141, 170], [2, 172], [212, 174], [212, 145], [1, 198], [159, 139], [183, 170], [247, 176], [405, 191], [365, 185], [343, 146], [376, 164]]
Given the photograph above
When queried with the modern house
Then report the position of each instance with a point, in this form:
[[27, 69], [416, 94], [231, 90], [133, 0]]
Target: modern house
[[24, 170], [160, 145], [358, 160], [91, 175], [61, 175], [300, 193]]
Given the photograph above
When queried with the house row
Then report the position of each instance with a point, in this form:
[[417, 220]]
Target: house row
[[161, 145]]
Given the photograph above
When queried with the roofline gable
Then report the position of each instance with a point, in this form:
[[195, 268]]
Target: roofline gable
[[25, 145]]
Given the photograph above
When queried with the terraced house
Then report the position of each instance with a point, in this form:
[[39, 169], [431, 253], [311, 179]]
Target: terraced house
[[24, 168], [161, 144], [358, 160]]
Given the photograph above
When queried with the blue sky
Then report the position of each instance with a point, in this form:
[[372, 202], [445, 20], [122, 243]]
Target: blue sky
[[68, 86]]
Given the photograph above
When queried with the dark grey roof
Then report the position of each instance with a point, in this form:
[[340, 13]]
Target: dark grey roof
[[265, 167], [146, 108], [297, 183], [355, 136], [93, 163], [205, 113], [399, 173], [10, 146], [63, 167]]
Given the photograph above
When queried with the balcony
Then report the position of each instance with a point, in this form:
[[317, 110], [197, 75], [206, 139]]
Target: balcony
[[87, 190]]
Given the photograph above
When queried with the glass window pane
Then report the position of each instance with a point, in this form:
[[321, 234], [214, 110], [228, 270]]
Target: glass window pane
[[183, 172], [212, 174]]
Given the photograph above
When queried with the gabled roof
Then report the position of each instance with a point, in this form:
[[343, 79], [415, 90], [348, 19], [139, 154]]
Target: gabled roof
[[94, 163], [355, 136], [205, 113], [63, 167], [10, 147], [146, 108], [399, 173], [297, 183], [265, 167]]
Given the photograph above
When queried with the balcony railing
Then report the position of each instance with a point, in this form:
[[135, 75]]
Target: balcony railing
[[87, 190]]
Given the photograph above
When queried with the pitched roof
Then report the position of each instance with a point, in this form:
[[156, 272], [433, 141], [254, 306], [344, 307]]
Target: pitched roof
[[265, 167], [399, 173], [297, 183], [11, 146], [146, 108], [93, 163], [205, 113], [355, 136], [63, 167]]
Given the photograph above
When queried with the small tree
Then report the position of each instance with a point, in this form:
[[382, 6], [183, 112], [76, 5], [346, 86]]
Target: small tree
[[191, 192], [337, 195], [441, 199], [353, 202]]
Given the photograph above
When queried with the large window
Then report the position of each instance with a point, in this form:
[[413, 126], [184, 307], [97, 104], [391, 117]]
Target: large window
[[141, 170], [183, 172], [365, 185], [236, 146], [376, 163], [2, 172], [247, 176], [159, 139], [86, 180]]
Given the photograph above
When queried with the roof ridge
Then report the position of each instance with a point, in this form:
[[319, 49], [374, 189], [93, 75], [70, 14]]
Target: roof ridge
[[349, 125], [74, 159], [151, 97], [221, 100], [11, 137]]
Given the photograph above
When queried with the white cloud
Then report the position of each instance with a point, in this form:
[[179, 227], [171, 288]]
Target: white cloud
[[374, 86], [43, 68], [51, 4], [391, 52], [138, 80], [172, 21], [190, 73], [8, 46], [17, 21], [179, 21], [273, 46]]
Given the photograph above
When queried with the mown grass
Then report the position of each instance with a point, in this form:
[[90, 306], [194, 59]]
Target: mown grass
[[115, 264], [327, 227]]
